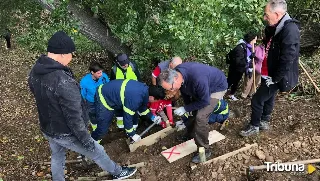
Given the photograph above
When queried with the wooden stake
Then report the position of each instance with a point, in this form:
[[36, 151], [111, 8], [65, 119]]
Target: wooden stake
[[225, 156], [202, 154], [261, 167], [314, 84], [137, 165]]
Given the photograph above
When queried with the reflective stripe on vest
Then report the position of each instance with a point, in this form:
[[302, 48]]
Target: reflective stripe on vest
[[103, 101], [145, 112], [123, 87], [225, 111], [129, 130], [129, 74], [219, 104]]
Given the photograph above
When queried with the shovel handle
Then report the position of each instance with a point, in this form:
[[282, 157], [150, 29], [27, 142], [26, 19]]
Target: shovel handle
[[148, 128]]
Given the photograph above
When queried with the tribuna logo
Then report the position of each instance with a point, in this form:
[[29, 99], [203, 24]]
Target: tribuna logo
[[283, 167]]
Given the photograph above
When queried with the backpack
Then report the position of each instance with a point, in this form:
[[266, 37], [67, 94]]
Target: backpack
[[231, 56]]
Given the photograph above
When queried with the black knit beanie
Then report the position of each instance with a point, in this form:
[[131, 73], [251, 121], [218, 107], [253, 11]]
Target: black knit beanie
[[61, 43]]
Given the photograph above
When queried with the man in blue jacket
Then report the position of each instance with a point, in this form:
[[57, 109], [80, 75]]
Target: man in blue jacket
[[89, 84], [280, 67], [125, 95], [62, 113], [201, 88]]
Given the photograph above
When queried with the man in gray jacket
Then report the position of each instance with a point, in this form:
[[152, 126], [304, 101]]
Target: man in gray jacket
[[62, 112]]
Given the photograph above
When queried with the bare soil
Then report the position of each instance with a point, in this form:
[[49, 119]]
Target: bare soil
[[294, 136]]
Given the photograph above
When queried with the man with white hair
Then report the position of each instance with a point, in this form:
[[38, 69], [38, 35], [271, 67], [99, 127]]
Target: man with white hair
[[280, 66]]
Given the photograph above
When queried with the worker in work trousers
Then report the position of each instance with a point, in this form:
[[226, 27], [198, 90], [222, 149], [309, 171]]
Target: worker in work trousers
[[123, 68], [126, 95], [201, 87]]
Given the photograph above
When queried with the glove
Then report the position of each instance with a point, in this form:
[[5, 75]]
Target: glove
[[136, 138], [156, 119], [180, 111], [249, 75], [269, 81]]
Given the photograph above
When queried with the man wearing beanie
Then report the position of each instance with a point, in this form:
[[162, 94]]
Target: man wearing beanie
[[62, 112]]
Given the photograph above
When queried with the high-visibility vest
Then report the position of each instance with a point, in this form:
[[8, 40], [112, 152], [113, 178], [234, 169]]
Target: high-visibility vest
[[225, 111], [122, 97], [128, 75]]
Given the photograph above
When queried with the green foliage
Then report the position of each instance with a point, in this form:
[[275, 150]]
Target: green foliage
[[36, 26], [307, 11], [206, 29]]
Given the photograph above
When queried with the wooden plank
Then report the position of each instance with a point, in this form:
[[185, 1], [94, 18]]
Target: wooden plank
[[179, 151], [137, 165], [152, 139], [225, 156]]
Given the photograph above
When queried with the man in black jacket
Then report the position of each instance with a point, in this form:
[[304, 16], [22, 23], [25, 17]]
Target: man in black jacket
[[62, 112], [280, 67]]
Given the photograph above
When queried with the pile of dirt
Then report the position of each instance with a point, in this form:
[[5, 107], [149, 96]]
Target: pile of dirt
[[294, 136]]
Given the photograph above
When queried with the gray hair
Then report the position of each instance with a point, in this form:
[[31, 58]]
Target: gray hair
[[278, 6], [167, 76]]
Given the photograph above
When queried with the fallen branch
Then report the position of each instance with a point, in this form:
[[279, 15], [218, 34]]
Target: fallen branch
[[225, 156], [137, 165], [261, 167], [314, 84]]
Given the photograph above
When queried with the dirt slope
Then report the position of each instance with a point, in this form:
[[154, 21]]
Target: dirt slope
[[294, 136]]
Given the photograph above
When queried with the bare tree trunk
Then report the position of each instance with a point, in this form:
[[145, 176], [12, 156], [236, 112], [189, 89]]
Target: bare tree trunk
[[92, 28]]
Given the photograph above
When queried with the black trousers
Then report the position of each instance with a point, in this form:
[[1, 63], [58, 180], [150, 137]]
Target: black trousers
[[233, 79], [262, 103], [8, 40]]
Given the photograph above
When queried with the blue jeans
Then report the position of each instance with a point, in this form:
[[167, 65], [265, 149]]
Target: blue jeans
[[58, 156]]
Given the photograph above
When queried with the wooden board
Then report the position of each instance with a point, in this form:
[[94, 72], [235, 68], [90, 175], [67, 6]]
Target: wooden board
[[152, 139], [227, 155], [179, 151]]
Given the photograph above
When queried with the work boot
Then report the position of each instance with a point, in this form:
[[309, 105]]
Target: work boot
[[126, 172], [196, 158], [264, 125], [249, 130]]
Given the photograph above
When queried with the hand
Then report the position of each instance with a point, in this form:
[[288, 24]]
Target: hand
[[180, 111], [269, 81], [136, 138], [157, 119]]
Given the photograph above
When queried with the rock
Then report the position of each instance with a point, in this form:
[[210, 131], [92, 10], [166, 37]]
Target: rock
[[143, 170], [260, 154], [246, 157], [220, 169], [269, 159], [290, 144], [164, 148], [303, 145], [279, 161], [65, 171], [233, 179], [300, 138], [239, 157], [48, 176], [286, 151], [220, 176], [226, 166], [297, 144], [246, 161], [40, 174], [214, 174], [316, 139]]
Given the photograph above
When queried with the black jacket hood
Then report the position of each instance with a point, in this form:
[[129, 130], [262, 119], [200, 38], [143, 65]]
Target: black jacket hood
[[45, 65]]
